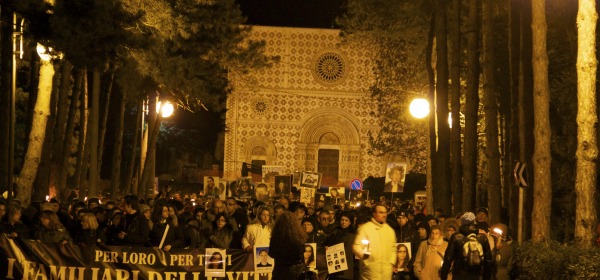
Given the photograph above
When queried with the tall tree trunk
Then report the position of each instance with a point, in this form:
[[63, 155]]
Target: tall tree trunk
[[37, 135], [93, 189], [542, 196], [128, 188], [471, 108], [80, 173], [107, 86], [6, 64], [491, 114], [62, 117], [526, 115], [456, 141], [63, 169], [115, 178], [42, 183], [442, 187], [587, 120], [513, 132], [431, 161]]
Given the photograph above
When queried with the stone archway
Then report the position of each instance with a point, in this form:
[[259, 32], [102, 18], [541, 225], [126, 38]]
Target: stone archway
[[258, 148], [330, 129]]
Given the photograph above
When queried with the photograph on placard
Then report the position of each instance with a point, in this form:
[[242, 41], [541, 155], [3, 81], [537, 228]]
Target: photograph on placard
[[296, 178], [421, 198], [336, 258], [223, 187], [310, 180], [358, 197], [214, 262], [310, 255], [307, 195], [403, 256], [263, 263], [283, 185], [261, 190], [232, 188], [395, 177], [212, 188], [336, 194], [244, 190]]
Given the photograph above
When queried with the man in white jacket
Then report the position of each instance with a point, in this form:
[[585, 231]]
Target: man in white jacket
[[375, 246]]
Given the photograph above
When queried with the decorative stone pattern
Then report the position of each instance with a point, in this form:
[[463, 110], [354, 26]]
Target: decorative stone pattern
[[315, 97], [329, 67]]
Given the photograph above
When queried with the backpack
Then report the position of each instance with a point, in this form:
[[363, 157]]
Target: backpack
[[473, 251]]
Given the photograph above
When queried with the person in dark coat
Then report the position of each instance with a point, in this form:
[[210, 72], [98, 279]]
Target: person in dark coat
[[287, 247], [455, 258], [137, 229], [160, 219], [345, 233], [223, 235], [12, 226], [52, 231], [89, 234]]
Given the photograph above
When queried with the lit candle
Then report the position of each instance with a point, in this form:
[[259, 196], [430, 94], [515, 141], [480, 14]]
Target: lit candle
[[366, 243]]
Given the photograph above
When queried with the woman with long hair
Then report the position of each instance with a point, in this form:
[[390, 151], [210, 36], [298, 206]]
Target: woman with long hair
[[215, 261], [309, 256], [52, 230], [11, 223], [89, 233], [259, 232], [160, 219], [345, 233], [401, 270], [223, 233], [287, 247]]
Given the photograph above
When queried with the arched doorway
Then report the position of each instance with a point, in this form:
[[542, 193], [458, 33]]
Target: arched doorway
[[329, 144]]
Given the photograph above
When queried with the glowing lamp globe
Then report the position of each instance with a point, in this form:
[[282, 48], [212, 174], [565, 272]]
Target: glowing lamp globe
[[167, 109], [419, 108]]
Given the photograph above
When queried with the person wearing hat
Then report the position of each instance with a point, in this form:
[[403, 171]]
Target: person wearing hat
[[482, 215], [455, 253], [405, 231]]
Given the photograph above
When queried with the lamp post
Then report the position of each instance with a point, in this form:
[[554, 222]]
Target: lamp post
[[419, 109], [148, 150]]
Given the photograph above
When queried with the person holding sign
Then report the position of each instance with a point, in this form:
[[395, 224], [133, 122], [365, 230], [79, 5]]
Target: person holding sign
[[345, 234]]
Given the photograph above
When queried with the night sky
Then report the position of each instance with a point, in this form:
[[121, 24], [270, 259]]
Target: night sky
[[292, 13]]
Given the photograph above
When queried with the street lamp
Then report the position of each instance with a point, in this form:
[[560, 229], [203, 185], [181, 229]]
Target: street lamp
[[419, 108], [166, 110]]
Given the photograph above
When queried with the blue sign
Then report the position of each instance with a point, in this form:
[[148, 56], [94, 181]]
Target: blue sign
[[356, 184]]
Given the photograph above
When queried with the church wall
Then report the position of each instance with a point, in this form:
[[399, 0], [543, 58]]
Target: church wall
[[315, 97]]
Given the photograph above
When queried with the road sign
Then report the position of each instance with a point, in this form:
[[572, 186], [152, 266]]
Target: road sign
[[356, 184], [518, 174]]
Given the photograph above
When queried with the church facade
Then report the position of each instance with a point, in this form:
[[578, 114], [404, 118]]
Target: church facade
[[311, 111]]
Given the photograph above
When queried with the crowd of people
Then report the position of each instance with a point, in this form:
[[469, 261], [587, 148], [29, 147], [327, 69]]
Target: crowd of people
[[381, 240]]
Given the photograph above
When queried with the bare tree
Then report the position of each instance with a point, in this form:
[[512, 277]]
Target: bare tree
[[455, 136], [587, 120], [471, 108], [542, 192]]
